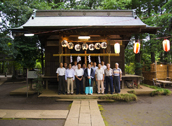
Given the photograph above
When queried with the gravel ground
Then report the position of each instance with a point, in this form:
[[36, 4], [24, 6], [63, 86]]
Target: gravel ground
[[147, 111], [30, 103]]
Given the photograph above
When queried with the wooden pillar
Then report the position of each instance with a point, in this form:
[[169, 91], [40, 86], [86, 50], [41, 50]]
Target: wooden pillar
[[108, 49], [60, 48], [65, 56], [86, 58]]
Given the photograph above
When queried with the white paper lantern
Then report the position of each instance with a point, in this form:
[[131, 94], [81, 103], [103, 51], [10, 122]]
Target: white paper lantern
[[70, 45], [166, 45], [97, 46], [117, 48], [64, 43], [91, 47], [136, 48], [84, 46], [77, 47], [103, 45]]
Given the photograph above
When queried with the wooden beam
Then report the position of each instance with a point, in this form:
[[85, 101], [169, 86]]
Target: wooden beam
[[91, 54]]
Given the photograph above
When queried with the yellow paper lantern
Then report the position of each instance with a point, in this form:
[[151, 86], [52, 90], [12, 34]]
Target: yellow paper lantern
[[91, 47], [70, 45], [64, 43], [77, 47], [97, 46], [103, 45], [84, 46]]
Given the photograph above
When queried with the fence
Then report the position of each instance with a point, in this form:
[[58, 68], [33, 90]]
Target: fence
[[159, 71]]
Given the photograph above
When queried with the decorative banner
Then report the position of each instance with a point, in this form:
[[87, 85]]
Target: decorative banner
[[70, 45], [166, 45], [91, 47], [117, 48], [84, 46], [136, 48], [103, 45], [71, 60], [99, 59], [77, 47], [64, 43], [89, 59], [97, 45], [78, 59]]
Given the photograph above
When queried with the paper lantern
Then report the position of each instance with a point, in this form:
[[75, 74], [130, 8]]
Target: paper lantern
[[77, 47], [97, 46], [84, 46], [91, 47], [117, 48], [136, 48], [70, 45], [64, 43], [103, 45], [166, 45]]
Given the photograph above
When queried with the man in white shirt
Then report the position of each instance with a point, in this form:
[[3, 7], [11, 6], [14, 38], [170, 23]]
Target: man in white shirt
[[109, 79], [95, 82], [61, 78], [103, 65], [70, 77], [79, 72], [99, 75], [74, 67]]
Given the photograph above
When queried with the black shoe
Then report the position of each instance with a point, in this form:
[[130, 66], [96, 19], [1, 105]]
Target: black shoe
[[112, 93], [102, 93], [64, 93], [71, 93], [58, 93]]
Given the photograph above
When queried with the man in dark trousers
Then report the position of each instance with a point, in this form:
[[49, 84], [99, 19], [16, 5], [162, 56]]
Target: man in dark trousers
[[117, 73], [89, 74], [61, 78]]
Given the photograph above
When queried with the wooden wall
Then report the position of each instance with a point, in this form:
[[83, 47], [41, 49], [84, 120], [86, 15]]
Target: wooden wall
[[155, 71], [51, 62]]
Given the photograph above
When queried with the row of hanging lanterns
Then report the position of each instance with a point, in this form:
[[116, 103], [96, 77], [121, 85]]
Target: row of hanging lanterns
[[103, 45], [85, 46], [165, 43]]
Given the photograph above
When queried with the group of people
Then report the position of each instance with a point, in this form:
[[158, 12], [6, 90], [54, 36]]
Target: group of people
[[98, 77]]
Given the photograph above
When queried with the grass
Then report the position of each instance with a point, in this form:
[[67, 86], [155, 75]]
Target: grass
[[101, 110], [158, 91], [120, 97], [69, 106]]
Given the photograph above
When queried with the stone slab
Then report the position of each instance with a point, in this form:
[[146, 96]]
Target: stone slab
[[33, 114], [84, 118]]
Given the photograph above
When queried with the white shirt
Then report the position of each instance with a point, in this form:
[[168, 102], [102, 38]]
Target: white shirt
[[99, 73], [104, 67], [89, 71], [79, 72], [61, 71], [70, 73], [74, 67], [94, 68], [108, 72]]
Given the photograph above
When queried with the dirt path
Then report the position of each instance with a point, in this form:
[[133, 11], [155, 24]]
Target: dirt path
[[147, 111], [30, 103]]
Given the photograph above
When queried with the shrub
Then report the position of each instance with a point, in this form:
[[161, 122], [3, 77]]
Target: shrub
[[158, 90], [120, 97]]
